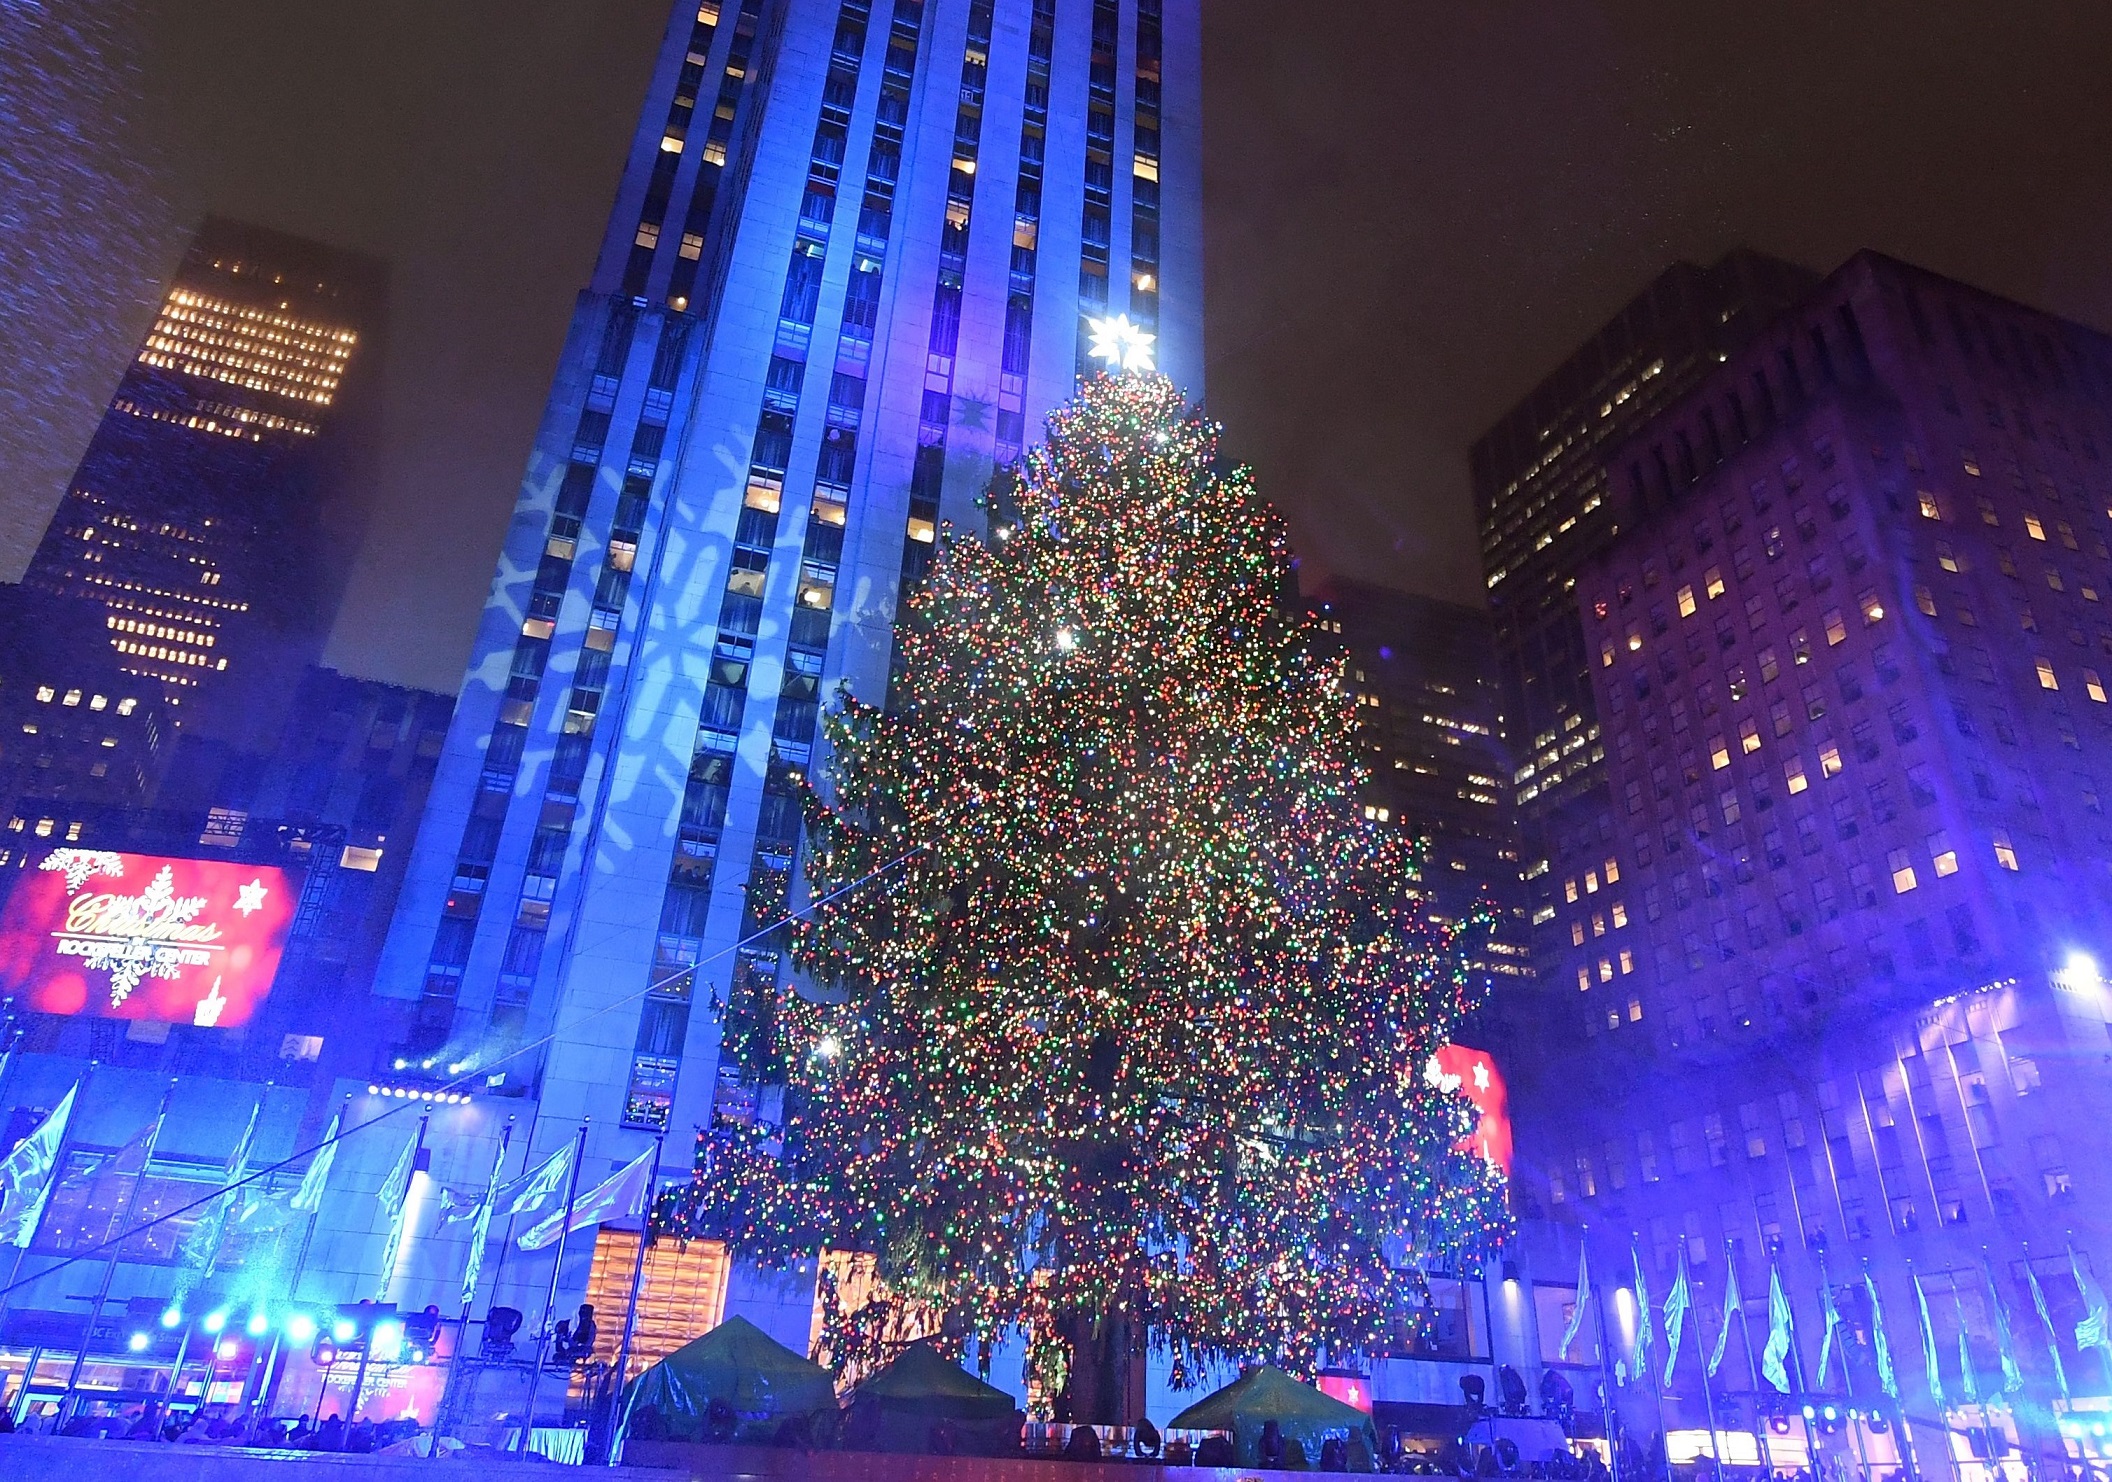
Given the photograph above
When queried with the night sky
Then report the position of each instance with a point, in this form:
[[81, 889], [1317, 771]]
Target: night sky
[[1415, 210]]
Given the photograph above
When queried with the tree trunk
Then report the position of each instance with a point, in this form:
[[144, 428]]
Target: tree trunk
[[1106, 1381]]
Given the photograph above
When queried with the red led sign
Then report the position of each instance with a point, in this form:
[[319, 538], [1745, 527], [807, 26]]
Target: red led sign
[[137, 936], [1473, 1074]]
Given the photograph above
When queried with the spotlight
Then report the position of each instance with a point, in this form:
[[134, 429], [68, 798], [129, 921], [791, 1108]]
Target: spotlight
[[386, 1346], [215, 1321], [1810, 1413], [171, 1317], [1832, 1414], [258, 1325], [300, 1327], [228, 1348], [344, 1329], [137, 1342]]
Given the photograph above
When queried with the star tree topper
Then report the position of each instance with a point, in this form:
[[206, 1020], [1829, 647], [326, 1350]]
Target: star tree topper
[[1123, 345]]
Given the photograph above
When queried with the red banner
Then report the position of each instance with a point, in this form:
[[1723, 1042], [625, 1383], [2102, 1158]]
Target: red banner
[[1473, 1074], [137, 936]]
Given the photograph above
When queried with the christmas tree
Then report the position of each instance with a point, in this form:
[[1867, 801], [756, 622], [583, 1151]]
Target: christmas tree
[[1130, 1036]]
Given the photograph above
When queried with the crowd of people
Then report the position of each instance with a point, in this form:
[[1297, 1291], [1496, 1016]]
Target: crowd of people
[[215, 1426]]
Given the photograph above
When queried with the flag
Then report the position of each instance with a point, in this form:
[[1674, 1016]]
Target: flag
[[536, 1189], [308, 1198], [395, 1200], [2005, 1340], [1677, 1301], [620, 1196], [1968, 1386], [2053, 1341], [2093, 1331], [27, 1173], [1773, 1357], [481, 1231], [1733, 1306], [1928, 1346], [1645, 1315], [1881, 1346], [1576, 1313], [202, 1246], [1830, 1314]]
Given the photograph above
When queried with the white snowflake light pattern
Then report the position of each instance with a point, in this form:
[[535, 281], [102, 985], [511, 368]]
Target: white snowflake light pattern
[[78, 864], [1125, 346], [142, 955]]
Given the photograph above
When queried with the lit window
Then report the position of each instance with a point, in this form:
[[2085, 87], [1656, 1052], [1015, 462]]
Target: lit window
[[1925, 601], [1591, 882], [1569, 890], [1929, 508], [1635, 638], [1946, 557], [73, 697], [1972, 464], [1836, 629], [1945, 857], [1635, 1011], [1872, 609], [97, 702], [354, 857], [1583, 980], [2033, 528], [1902, 871], [1576, 933], [46, 693], [1749, 736], [2005, 852], [1606, 654], [1793, 774], [1620, 915], [1598, 924], [1613, 871], [2046, 678], [1713, 582], [1719, 753], [1605, 969], [1829, 760], [127, 706], [1686, 602]]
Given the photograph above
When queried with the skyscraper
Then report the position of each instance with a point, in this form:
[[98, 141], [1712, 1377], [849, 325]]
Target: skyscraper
[[214, 516], [851, 264], [1540, 496], [1833, 971], [1423, 675]]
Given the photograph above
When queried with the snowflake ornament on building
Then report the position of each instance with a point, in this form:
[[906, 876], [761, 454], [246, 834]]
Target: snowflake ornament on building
[[1123, 345], [78, 864]]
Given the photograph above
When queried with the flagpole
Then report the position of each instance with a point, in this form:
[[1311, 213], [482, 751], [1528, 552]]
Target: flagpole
[[399, 1231], [124, 1223], [630, 1311], [469, 1295], [1796, 1371], [218, 1213], [1899, 1404], [1645, 1321], [58, 1170], [557, 1266], [267, 1387], [1855, 1425], [1708, 1400], [1752, 1368], [1610, 1411]]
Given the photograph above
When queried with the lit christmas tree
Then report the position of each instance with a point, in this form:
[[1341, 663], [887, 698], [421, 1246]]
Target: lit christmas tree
[[1131, 1035]]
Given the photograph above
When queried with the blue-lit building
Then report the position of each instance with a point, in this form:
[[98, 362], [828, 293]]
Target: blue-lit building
[[849, 269]]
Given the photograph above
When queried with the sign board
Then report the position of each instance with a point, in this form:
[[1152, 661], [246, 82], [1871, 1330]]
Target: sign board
[[138, 936], [1473, 1074]]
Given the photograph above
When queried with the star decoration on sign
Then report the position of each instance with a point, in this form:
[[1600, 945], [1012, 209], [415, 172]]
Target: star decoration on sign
[[250, 898], [1123, 345], [1481, 1075]]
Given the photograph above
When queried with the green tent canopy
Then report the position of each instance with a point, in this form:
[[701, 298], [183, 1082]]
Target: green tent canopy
[[1263, 1394], [899, 1408], [761, 1379]]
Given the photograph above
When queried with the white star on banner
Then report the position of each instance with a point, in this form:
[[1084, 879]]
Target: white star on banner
[[250, 897]]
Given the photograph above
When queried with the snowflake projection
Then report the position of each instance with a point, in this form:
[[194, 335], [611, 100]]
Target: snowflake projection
[[141, 953], [78, 864]]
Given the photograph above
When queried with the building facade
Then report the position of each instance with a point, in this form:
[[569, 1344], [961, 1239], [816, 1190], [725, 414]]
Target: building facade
[[1424, 675], [1827, 989], [216, 512], [850, 266]]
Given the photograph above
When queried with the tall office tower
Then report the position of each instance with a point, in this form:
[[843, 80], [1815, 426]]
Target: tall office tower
[[851, 264], [1832, 971], [1541, 498], [215, 513], [1423, 673]]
